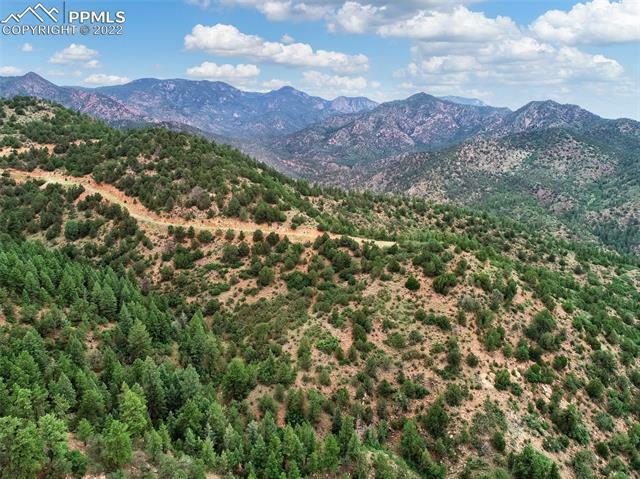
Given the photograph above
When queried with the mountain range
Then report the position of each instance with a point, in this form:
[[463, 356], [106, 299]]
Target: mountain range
[[556, 165], [420, 123], [213, 107]]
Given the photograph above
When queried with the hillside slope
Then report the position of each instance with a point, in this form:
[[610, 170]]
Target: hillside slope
[[418, 124], [471, 347], [585, 184], [86, 101], [421, 122]]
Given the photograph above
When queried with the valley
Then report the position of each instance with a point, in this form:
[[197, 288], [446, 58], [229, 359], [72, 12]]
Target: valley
[[173, 308], [558, 167]]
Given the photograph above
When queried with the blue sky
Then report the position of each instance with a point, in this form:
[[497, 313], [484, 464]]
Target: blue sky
[[503, 52]]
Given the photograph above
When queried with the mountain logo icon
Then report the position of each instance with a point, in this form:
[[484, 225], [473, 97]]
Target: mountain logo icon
[[39, 11]]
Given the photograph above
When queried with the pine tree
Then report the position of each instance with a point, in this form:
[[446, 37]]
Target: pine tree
[[117, 450], [53, 433], [411, 443], [436, 419], [304, 354], [133, 412], [25, 456], [138, 341], [85, 430], [330, 453], [237, 381]]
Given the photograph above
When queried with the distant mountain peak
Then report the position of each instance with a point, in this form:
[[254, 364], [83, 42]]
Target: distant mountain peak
[[551, 114], [32, 76], [420, 96], [287, 89]]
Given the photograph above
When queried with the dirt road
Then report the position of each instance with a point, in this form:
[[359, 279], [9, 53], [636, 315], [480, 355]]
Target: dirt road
[[156, 221]]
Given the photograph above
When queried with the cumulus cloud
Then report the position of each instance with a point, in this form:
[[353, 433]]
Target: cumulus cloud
[[313, 10], [74, 53], [104, 79], [282, 10], [598, 21], [27, 47], [204, 4], [226, 72], [227, 40], [354, 17], [461, 24], [518, 61], [92, 64], [286, 39], [595, 22], [63, 73], [319, 81], [9, 70]]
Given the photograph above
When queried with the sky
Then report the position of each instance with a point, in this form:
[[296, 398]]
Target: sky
[[505, 53]]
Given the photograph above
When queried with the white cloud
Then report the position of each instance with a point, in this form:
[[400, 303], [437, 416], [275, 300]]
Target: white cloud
[[204, 4], [227, 40], [354, 17], [523, 61], [274, 84], [226, 72], [595, 22], [27, 47], [282, 10], [92, 64], [62, 73], [74, 53], [313, 10], [334, 83], [103, 79], [9, 70], [461, 24], [286, 39]]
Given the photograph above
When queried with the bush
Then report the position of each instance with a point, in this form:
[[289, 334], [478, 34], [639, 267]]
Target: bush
[[412, 284], [266, 276], [454, 394], [502, 380], [531, 464], [442, 284], [498, 442]]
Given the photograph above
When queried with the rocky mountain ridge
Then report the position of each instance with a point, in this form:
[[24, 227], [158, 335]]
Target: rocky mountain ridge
[[216, 108]]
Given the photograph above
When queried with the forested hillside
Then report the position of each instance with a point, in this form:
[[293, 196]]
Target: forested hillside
[[584, 185], [467, 346]]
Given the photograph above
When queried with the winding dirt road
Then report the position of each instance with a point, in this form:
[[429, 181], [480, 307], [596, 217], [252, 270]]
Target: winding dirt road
[[156, 221]]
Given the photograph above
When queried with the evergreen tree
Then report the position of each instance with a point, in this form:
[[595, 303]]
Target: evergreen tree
[[117, 450], [330, 453], [237, 381], [133, 412], [138, 341]]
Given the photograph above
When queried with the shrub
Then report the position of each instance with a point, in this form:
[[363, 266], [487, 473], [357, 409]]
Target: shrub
[[502, 380], [412, 284], [266, 276], [443, 283], [328, 344], [531, 464], [498, 442]]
